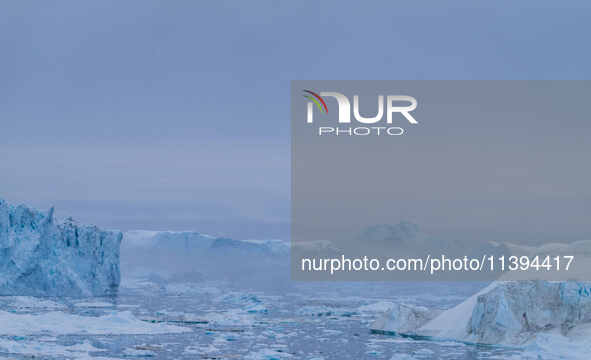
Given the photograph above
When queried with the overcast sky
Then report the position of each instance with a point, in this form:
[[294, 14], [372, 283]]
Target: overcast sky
[[175, 115]]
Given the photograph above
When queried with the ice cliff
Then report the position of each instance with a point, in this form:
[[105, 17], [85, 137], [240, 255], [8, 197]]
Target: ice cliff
[[508, 312], [42, 257]]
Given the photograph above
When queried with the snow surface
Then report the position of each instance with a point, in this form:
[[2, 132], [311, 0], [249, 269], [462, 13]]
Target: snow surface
[[42, 257]]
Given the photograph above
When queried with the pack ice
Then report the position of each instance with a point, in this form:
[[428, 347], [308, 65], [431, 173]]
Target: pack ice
[[41, 257], [508, 312]]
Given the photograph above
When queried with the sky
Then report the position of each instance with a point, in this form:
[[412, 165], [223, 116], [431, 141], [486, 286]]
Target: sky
[[175, 115]]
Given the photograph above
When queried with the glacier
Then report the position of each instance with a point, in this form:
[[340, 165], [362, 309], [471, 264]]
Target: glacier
[[40, 256]]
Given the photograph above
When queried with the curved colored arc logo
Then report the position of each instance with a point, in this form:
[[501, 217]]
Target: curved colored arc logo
[[316, 99]]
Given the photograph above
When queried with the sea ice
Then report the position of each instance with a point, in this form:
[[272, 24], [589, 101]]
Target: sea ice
[[47, 348], [60, 323]]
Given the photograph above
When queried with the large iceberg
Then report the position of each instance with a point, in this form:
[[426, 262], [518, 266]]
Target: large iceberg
[[42, 257], [522, 313], [189, 256]]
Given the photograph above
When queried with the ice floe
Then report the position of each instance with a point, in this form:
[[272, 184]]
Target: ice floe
[[36, 348], [60, 323]]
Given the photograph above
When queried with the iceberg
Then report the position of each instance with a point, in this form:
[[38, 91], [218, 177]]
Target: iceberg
[[40, 256], [188, 256], [403, 319], [196, 243], [514, 313]]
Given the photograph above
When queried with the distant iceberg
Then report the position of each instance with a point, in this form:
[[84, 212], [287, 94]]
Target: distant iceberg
[[189, 256], [41, 257]]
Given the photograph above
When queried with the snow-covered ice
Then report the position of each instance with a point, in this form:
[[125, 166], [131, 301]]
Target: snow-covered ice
[[47, 348], [61, 323]]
